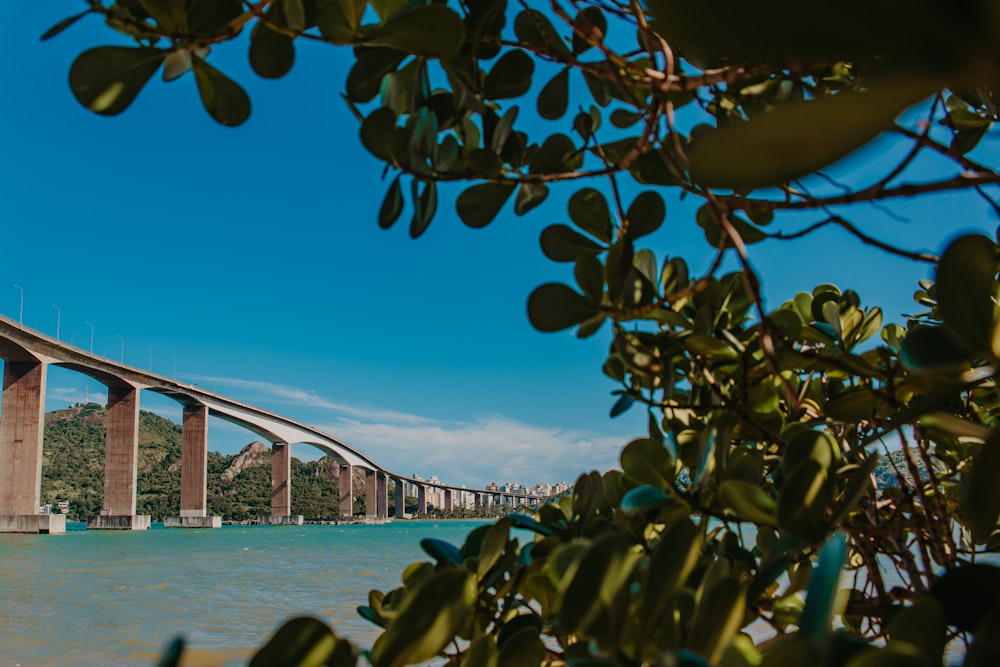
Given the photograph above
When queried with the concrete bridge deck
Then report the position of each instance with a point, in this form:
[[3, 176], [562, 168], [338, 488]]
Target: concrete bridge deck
[[27, 355]]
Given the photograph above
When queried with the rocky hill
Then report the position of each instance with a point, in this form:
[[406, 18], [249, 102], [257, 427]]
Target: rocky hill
[[239, 485]]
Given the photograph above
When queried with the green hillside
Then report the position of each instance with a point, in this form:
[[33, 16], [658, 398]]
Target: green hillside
[[73, 470]]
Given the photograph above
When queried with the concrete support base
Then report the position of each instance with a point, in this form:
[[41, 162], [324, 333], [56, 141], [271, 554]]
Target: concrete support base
[[294, 520], [119, 522], [192, 522], [45, 524]]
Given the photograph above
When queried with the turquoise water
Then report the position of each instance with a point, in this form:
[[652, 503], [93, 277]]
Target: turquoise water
[[115, 598]]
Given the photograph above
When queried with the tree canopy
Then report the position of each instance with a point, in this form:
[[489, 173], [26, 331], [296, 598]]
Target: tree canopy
[[733, 516]]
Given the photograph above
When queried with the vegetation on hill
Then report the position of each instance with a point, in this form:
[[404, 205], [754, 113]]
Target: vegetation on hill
[[761, 417], [73, 470]]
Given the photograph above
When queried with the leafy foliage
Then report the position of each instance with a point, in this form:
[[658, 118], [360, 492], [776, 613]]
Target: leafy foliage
[[753, 486]]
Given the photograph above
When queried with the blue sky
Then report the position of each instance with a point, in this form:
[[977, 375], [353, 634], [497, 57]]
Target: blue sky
[[249, 260]]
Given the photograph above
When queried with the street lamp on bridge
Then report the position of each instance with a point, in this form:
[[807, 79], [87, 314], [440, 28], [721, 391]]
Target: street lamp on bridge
[[150, 358], [20, 312], [123, 346], [58, 319], [91, 336]]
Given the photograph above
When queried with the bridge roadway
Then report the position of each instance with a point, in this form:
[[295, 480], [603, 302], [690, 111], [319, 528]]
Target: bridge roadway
[[28, 353]]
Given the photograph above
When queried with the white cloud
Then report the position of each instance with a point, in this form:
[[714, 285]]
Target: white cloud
[[490, 448], [284, 394], [493, 448]]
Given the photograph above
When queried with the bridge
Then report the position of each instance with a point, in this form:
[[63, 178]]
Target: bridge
[[28, 354]]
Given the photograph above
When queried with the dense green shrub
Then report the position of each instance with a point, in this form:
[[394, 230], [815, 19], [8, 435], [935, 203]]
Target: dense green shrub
[[753, 488]]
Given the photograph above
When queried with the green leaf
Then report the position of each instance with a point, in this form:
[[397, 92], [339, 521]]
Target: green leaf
[[168, 13], [392, 205], [530, 195], [223, 98], [645, 215], [482, 652], [622, 118], [442, 552], [717, 618], [749, 501], [553, 100], [980, 502], [365, 78], [172, 653], [424, 207], [339, 21], [860, 485], [478, 205], [592, 23], [523, 647], [621, 406], [510, 76], [295, 14], [534, 28], [106, 79], [932, 348], [428, 620], [554, 306], [647, 461], [302, 642], [715, 234], [493, 545], [207, 17], [62, 25], [503, 129], [429, 30], [800, 139], [557, 153], [588, 209], [966, 292], [852, 405], [563, 244], [272, 54], [603, 570], [377, 133], [921, 624], [598, 87], [800, 507], [589, 274], [814, 624]]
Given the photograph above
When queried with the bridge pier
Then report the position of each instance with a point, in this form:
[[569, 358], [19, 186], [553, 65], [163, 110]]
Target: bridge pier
[[421, 499], [23, 407], [281, 488], [121, 455], [382, 501], [371, 493], [449, 500], [400, 498], [346, 490], [194, 472]]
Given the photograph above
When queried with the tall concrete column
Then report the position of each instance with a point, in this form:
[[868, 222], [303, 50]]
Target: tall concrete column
[[449, 503], [121, 457], [421, 499], [346, 491], [400, 499], [382, 501], [281, 488], [23, 412], [281, 479], [194, 472], [371, 494], [477, 500]]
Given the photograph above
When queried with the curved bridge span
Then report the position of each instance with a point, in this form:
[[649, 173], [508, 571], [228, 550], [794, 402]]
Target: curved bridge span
[[27, 354]]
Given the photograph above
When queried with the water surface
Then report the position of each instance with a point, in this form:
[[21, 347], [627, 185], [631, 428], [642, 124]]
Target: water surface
[[115, 598]]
